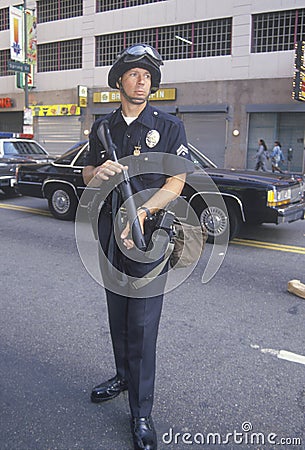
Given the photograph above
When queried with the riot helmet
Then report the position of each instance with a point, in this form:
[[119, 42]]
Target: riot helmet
[[139, 55]]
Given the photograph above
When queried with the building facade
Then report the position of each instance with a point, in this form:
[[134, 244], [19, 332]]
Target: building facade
[[228, 72]]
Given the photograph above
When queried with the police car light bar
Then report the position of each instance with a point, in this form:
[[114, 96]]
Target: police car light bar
[[7, 134]]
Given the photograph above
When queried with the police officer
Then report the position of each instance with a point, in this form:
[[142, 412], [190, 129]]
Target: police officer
[[141, 132]]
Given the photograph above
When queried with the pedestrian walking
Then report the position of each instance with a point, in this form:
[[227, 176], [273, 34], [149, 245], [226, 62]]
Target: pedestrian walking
[[146, 135], [261, 156], [277, 157]]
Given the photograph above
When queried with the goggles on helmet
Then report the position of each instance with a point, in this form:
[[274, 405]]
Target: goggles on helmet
[[139, 51], [137, 55]]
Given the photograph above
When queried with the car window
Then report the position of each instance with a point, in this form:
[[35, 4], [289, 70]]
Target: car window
[[23, 148], [9, 149]]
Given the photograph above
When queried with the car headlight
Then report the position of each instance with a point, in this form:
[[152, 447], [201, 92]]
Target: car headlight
[[278, 198]]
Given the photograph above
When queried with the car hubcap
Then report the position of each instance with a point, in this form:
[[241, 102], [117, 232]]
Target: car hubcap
[[61, 202], [215, 220]]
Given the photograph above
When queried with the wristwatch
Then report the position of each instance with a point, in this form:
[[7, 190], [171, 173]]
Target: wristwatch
[[143, 208]]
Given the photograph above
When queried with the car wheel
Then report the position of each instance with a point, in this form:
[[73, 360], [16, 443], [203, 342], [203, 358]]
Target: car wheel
[[62, 203], [217, 220]]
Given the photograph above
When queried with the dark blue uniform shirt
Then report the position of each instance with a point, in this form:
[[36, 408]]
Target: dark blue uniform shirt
[[150, 139]]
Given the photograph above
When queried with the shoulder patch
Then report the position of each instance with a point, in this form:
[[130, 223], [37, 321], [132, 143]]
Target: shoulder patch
[[182, 150]]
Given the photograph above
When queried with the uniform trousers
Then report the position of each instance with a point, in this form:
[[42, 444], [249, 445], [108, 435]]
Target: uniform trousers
[[134, 323], [134, 326]]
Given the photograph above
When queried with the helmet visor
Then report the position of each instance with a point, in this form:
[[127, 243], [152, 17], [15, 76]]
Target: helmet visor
[[139, 51]]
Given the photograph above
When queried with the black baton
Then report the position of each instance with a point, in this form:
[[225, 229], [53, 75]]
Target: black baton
[[104, 136]]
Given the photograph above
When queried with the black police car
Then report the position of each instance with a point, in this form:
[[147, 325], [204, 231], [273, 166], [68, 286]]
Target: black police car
[[249, 197]]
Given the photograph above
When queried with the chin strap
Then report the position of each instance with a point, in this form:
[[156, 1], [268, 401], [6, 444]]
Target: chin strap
[[133, 100]]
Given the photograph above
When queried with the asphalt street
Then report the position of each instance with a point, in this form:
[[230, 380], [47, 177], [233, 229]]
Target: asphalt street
[[223, 381]]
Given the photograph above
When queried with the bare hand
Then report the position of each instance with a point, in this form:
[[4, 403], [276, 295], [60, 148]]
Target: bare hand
[[125, 235], [108, 169]]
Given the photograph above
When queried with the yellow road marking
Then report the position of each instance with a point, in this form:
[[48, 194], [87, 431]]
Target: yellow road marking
[[25, 209], [269, 246], [236, 241]]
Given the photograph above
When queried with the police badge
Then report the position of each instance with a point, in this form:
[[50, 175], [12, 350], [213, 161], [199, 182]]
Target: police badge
[[152, 138]]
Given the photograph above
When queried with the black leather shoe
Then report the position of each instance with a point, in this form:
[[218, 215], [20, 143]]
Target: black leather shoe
[[143, 433], [108, 390]]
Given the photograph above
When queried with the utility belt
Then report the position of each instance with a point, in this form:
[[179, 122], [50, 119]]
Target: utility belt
[[166, 238], [160, 220], [159, 234]]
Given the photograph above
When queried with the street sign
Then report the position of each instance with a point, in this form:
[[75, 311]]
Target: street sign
[[18, 66], [20, 78]]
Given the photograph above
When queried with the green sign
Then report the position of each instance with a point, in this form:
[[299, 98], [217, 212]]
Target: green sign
[[18, 66]]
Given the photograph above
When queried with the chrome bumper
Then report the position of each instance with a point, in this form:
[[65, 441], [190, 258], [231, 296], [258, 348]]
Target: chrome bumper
[[291, 213]]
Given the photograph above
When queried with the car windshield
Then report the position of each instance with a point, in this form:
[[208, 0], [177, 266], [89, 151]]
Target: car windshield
[[69, 155], [22, 148], [80, 162]]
